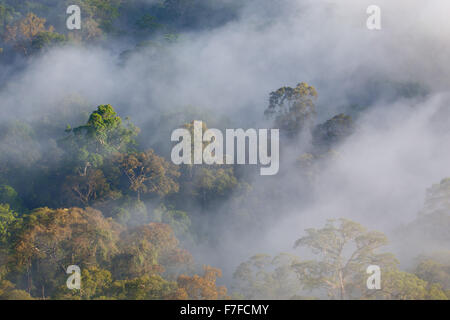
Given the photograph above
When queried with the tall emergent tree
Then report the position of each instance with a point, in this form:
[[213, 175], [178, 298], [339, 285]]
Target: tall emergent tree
[[103, 135], [344, 252], [148, 173], [292, 108]]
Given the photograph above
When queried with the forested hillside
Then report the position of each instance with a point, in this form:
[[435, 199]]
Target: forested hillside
[[86, 176]]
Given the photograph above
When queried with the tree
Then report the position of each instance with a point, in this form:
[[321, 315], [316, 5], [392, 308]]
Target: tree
[[400, 285], [433, 221], [146, 172], [7, 218], [46, 39], [103, 11], [214, 183], [147, 23], [292, 108], [437, 199], [148, 250], [8, 292], [103, 135], [9, 195], [435, 269], [344, 252], [206, 183], [333, 131], [147, 287], [178, 220], [84, 189], [7, 15], [95, 281], [95, 284], [31, 25], [50, 240], [31, 28], [202, 287], [312, 164], [264, 277]]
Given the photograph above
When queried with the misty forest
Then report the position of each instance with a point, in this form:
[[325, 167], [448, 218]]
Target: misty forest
[[86, 177]]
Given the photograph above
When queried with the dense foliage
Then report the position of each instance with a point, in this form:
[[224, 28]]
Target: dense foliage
[[94, 195]]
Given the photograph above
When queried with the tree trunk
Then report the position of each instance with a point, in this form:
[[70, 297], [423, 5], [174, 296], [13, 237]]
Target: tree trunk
[[341, 286]]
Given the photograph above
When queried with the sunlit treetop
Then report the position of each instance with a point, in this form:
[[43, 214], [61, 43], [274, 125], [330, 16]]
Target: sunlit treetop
[[292, 108]]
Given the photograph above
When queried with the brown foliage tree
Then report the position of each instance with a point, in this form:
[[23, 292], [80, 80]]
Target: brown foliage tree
[[148, 173], [22, 32], [50, 240], [149, 249], [202, 287], [84, 189]]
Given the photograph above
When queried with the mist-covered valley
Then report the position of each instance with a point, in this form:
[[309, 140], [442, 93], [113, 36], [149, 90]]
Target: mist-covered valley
[[86, 176]]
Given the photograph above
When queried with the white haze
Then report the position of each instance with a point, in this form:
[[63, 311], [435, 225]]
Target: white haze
[[382, 172]]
